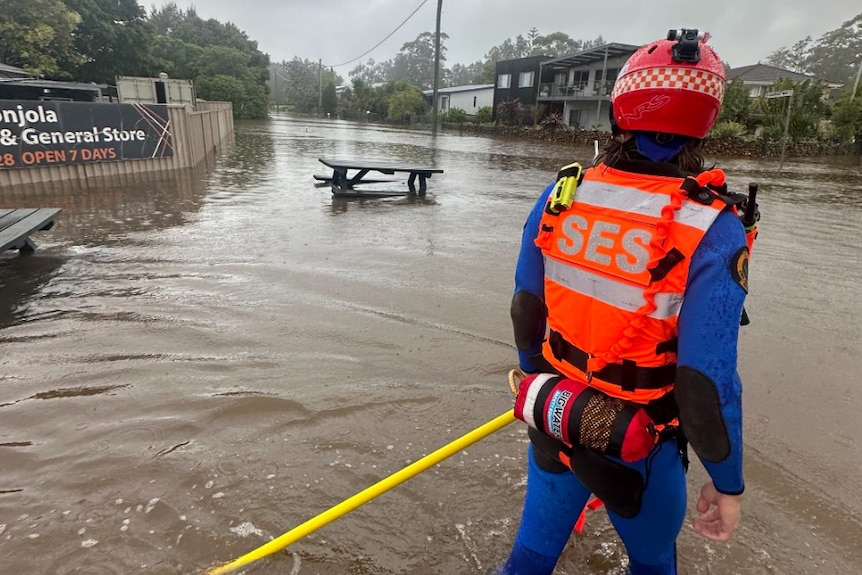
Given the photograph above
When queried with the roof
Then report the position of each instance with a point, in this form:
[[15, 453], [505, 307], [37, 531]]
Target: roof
[[593, 55], [765, 74], [11, 71], [465, 88], [50, 84]]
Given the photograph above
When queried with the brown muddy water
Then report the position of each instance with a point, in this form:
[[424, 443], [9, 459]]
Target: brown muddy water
[[192, 366]]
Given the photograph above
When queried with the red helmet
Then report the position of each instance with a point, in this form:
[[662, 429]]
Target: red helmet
[[672, 86]]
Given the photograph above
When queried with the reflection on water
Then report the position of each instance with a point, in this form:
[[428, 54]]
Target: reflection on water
[[221, 355]]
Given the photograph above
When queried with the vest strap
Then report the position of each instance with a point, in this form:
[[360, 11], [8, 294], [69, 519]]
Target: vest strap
[[668, 346], [667, 263], [626, 375]]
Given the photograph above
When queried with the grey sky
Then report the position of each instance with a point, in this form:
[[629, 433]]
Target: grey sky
[[337, 31]]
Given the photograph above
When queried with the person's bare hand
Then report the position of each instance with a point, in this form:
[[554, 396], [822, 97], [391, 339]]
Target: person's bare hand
[[719, 513]]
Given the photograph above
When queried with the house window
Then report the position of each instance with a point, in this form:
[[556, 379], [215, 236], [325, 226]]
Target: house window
[[504, 81], [560, 78], [444, 103], [580, 78], [525, 80], [605, 82], [474, 101]]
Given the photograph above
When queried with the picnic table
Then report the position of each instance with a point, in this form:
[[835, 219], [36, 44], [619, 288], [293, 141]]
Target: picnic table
[[17, 224], [344, 183]]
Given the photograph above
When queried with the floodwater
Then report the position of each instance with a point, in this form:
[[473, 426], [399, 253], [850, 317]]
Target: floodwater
[[191, 366]]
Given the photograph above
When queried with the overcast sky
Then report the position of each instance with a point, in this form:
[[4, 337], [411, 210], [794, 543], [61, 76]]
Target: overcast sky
[[339, 31]]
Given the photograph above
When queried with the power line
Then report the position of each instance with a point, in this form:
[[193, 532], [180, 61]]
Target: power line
[[384, 40]]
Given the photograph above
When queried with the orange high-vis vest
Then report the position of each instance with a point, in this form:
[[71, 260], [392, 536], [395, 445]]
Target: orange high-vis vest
[[616, 267]]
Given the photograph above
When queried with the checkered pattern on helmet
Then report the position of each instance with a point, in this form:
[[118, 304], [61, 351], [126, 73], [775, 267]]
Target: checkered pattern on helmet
[[671, 77]]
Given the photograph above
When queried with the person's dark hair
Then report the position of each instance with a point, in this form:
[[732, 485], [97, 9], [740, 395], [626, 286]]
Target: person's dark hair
[[689, 160]]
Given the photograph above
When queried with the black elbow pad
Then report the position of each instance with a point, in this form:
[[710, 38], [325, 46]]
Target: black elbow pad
[[700, 414], [528, 318]]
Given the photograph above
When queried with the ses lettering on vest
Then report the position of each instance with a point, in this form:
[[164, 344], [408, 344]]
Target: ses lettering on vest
[[596, 241]]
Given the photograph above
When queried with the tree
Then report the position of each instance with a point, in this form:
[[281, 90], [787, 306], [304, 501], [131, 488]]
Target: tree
[[249, 100], [222, 88], [115, 38], [793, 58], [461, 75], [836, 53], [736, 106], [832, 57], [329, 99], [805, 114], [208, 52], [167, 19], [415, 62], [406, 102], [511, 50], [193, 29], [36, 35], [847, 117], [557, 44], [302, 85], [176, 58], [213, 60], [371, 72]]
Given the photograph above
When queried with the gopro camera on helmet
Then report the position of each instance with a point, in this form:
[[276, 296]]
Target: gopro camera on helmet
[[687, 48]]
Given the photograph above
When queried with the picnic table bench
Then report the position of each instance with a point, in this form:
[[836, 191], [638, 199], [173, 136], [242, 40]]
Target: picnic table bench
[[17, 224], [344, 184]]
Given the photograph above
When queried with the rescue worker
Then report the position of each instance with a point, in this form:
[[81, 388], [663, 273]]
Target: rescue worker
[[631, 280]]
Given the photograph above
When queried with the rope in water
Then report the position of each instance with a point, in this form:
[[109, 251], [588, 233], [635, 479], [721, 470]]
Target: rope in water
[[373, 491]]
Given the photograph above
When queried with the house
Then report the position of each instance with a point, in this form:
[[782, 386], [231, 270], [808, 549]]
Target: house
[[761, 77], [519, 80], [578, 87], [468, 98]]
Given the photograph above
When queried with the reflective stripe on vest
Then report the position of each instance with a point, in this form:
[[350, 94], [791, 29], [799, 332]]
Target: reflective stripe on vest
[[623, 296], [632, 200], [596, 257]]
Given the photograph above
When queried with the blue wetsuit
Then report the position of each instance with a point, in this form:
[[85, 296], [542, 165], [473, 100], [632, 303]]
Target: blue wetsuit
[[708, 330]]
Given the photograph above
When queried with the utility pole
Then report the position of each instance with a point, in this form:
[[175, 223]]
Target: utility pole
[[436, 69], [319, 87], [275, 79]]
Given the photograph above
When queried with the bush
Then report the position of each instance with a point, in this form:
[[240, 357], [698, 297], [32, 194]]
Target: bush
[[553, 121], [727, 129], [510, 112], [455, 116], [484, 115]]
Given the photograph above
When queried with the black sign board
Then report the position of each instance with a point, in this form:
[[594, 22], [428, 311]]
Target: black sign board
[[46, 133]]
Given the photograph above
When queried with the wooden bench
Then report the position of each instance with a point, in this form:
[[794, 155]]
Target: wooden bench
[[16, 225], [344, 184]]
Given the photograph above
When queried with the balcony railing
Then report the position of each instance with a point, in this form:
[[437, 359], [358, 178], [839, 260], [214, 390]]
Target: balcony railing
[[601, 88]]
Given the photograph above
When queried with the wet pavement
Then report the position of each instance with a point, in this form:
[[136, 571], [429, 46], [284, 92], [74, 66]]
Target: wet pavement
[[193, 364]]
